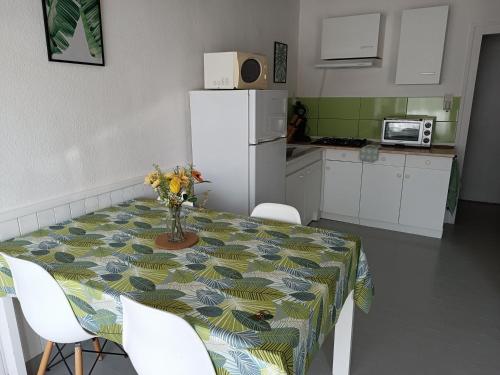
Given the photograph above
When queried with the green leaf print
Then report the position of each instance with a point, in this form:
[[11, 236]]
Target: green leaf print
[[142, 225], [255, 294], [248, 321], [228, 272], [304, 262], [304, 296], [77, 231], [141, 283], [210, 311], [62, 18], [286, 335], [212, 241], [81, 304], [64, 257], [142, 249]]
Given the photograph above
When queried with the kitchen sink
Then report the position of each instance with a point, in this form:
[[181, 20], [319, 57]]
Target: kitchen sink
[[296, 152]]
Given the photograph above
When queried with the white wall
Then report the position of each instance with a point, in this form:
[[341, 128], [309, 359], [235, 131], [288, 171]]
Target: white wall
[[380, 81], [66, 128], [481, 176]]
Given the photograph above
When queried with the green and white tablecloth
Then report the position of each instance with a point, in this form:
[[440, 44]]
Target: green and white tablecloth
[[261, 295]]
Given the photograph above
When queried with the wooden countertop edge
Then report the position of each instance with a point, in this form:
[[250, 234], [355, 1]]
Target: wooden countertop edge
[[441, 151]]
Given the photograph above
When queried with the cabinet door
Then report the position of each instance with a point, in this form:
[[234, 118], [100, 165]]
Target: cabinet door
[[342, 188], [381, 192], [421, 45], [423, 202], [312, 192], [295, 195]]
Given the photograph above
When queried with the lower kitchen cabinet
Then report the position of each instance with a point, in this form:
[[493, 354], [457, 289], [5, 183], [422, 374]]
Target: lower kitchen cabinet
[[423, 201], [295, 192], [342, 186], [303, 191], [381, 192]]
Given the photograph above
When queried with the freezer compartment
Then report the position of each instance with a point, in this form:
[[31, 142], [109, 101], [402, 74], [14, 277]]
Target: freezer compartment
[[267, 115]]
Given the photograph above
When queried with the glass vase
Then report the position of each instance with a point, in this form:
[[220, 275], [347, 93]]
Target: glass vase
[[176, 234]]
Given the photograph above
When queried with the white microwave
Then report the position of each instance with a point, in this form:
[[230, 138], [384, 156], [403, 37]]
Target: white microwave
[[408, 132], [235, 70]]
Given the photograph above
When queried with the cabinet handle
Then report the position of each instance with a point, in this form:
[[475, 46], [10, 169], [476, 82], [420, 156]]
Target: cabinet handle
[[301, 176], [343, 154], [427, 73], [427, 162], [399, 175], [407, 176], [328, 168], [383, 158]]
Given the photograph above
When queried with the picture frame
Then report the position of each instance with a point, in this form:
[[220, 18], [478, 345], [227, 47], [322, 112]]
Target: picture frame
[[74, 35], [280, 62]]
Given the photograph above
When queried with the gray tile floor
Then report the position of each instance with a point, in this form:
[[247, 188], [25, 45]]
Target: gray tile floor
[[437, 303]]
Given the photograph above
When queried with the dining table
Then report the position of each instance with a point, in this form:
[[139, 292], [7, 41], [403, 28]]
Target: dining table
[[262, 295]]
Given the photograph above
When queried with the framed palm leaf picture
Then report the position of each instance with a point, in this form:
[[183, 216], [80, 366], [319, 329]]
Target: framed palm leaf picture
[[73, 30], [280, 62]]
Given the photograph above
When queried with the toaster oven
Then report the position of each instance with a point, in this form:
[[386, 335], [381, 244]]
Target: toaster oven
[[415, 132]]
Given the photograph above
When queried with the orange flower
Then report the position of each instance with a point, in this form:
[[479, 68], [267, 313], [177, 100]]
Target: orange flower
[[197, 175]]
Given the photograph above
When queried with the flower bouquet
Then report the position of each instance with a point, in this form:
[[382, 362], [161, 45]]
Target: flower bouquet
[[174, 189]]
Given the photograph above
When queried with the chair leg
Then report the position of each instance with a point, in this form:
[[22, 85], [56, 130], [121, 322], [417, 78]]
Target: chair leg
[[78, 360], [45, 358], [97, 348]]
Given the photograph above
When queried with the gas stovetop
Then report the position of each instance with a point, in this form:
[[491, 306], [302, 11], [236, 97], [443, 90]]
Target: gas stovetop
[[349, 142]]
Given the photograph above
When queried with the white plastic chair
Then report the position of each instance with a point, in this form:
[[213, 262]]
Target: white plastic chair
[[157, 341], [47, 310], [277, 212]]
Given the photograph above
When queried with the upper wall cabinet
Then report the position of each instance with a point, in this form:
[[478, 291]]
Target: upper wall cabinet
[[421, 46], [351, 37]]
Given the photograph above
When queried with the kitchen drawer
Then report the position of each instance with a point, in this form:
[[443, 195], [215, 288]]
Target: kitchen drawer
[[342, 155], [395, 160], [429, 162]]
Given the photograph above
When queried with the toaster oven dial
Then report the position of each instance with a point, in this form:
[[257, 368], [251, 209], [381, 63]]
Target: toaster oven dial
[[427, 140], [428, 125], [427, 133]]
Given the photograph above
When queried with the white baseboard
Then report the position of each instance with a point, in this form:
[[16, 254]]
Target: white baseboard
[[343, 218], [435, 233]]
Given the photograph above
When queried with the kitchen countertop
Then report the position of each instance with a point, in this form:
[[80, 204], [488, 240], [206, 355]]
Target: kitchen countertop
[[441, 151]]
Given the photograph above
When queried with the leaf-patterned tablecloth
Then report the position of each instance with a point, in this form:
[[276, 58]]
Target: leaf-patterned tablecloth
[[240, 268]]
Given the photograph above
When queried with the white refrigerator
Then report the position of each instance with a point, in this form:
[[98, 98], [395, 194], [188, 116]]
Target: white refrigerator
[[239, 144]]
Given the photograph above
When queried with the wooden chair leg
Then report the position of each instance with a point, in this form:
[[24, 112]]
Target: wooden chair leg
[[97, 348], [42, 369], [78, 360]]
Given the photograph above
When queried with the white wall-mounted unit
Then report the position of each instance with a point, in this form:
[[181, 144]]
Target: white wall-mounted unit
[[352, 37], [421, 45]]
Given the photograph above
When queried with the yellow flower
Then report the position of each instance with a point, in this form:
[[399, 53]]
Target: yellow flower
[[169, 175], [155, 184], [175, 185], [151, 178]]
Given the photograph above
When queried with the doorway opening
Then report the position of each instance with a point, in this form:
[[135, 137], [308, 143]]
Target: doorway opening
[[481, 179]]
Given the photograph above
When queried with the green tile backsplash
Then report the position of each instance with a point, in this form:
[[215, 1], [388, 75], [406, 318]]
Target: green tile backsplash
[[339, 108], [362, 117], [338, 128], [433, 106], [370, 129], [380, 108], [445, 132]]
